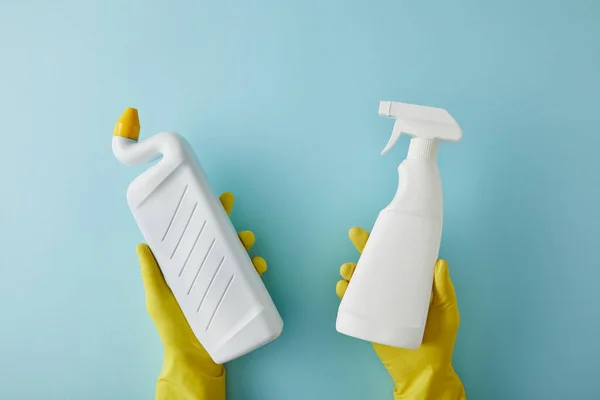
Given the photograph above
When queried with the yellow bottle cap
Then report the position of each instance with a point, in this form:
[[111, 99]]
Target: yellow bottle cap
[[128, 124]]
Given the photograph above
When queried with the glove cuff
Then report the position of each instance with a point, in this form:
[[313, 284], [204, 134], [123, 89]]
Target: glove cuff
[[431, 384], [190, 378]]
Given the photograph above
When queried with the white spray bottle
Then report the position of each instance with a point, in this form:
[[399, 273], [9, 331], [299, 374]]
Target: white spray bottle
[[196, 246], [388, 297]]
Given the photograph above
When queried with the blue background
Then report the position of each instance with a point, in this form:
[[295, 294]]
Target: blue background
[[279, 99]]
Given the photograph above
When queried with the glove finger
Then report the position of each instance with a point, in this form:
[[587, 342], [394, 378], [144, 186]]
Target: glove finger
[[443, 289], [347, 269], [340, 288], [154, 282], [227, 200], [259, 264], [359, 238], [247, 238]]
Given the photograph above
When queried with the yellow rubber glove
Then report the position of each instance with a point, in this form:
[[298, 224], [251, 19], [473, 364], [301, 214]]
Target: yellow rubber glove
[[188, 371], [425, 373]]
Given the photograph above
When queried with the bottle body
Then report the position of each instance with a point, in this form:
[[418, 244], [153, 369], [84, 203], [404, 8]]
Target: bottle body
[[388, 297], [198, 250]]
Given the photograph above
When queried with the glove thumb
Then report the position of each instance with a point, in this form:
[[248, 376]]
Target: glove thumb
[[443, 289], [154, 283]]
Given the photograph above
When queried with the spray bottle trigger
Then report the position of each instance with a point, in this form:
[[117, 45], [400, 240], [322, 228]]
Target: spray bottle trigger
[[399, 127]]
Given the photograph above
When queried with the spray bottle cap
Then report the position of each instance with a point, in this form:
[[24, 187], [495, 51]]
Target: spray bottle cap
[[419, 121]]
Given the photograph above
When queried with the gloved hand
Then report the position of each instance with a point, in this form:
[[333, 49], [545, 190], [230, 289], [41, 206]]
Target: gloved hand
[[425, 373], [188, 371]]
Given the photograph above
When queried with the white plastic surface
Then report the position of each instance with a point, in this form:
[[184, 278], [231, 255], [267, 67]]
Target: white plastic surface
[[419, 121], [387, 299], [197, 248]]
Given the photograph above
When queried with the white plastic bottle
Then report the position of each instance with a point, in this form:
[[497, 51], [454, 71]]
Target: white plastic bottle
[[388, 297], [196, 246]]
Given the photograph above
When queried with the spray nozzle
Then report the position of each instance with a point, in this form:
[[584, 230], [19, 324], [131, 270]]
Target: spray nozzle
[[419, 121]]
